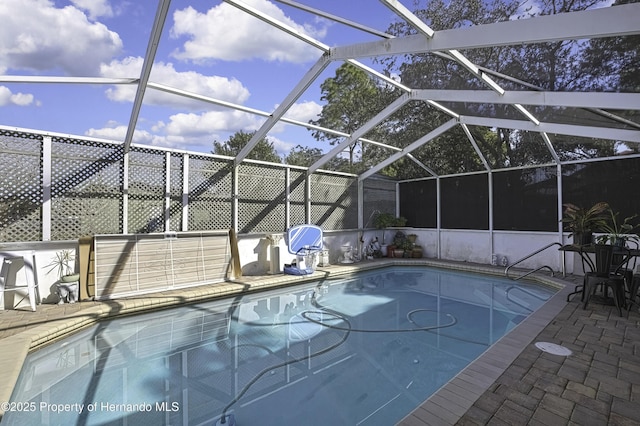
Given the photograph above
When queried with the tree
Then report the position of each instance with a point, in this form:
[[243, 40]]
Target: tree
[[612, 64], [352, 98], [303, 156], [550, 66], [263, 150]]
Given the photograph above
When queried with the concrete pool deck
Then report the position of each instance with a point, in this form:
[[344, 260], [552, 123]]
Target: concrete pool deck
[[513, 382]]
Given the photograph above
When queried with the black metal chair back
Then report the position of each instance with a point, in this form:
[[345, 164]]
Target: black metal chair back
[[604, 259], [620, 260]]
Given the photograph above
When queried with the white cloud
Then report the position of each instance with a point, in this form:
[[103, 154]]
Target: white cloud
[[222, 88], [304, 111], [209, 123], [198, 131], [115, 132], [227, 33], [35, 35], [282, 148], [96, 8], [187, 131], [19, 99]]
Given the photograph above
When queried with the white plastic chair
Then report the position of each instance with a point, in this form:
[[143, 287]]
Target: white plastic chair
[[10, 267]]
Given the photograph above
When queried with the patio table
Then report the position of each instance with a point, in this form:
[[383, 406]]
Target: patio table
[[586, 249]]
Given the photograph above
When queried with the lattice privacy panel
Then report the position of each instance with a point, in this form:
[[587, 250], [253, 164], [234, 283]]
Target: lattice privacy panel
[[334, 201], [86, 188], [261, 198], [297, 208], [147, 181], [379, 195], [88, 178], [176, 164], [210, 194], [20, 187]]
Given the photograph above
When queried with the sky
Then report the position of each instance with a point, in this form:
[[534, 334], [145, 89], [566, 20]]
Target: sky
[[207, 47]]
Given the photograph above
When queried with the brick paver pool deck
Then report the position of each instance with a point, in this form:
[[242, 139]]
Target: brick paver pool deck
[[512, 383]]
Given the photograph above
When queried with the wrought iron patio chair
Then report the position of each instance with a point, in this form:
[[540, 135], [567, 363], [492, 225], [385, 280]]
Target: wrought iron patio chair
[[604, 275]]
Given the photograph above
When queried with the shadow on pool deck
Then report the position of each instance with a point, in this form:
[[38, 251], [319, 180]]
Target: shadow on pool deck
[[598, 384]]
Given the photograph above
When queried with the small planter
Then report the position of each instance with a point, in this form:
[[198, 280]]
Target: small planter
[[398, 252], [70, 278], [583, 239], [390, 249]]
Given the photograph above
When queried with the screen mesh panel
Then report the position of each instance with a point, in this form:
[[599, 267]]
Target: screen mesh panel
[[379, 196], [588, 183], [526, 199], [419, 203], [88, 177], [465, 202]]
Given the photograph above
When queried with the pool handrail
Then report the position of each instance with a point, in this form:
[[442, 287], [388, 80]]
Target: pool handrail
[[506, 271]]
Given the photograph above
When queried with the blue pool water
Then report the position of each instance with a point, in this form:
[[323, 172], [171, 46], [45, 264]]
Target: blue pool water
[[358, 351]]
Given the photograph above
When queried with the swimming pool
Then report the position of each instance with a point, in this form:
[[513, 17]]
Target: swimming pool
[[363, 350]]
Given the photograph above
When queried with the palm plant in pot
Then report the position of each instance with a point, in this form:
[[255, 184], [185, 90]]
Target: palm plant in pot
[[618, 233], [583, 222], [64, 264]]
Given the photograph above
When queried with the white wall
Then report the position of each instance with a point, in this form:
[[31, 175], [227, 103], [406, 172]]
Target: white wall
[[457, 245], [255, 253]]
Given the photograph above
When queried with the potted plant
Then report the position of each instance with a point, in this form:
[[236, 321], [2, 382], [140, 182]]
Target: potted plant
[[617, 233], [402, 244], [407, 247], [387, 220], [64, 264], [582, 222]]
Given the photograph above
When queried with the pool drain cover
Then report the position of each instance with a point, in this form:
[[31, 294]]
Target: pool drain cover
[[554, 349]]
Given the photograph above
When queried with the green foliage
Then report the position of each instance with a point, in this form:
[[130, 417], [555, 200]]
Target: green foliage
[[352, 98], [303, 156], [263, 150], [569, 65], [581, 220], [386, 220], [612, 64], [616, 229]]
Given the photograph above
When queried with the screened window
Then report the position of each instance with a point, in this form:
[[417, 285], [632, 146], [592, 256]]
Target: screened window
[[526, 199], [419, 203], [465, 202], [615, 182]]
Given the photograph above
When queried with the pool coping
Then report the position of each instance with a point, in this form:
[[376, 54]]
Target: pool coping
[[446, 405]]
